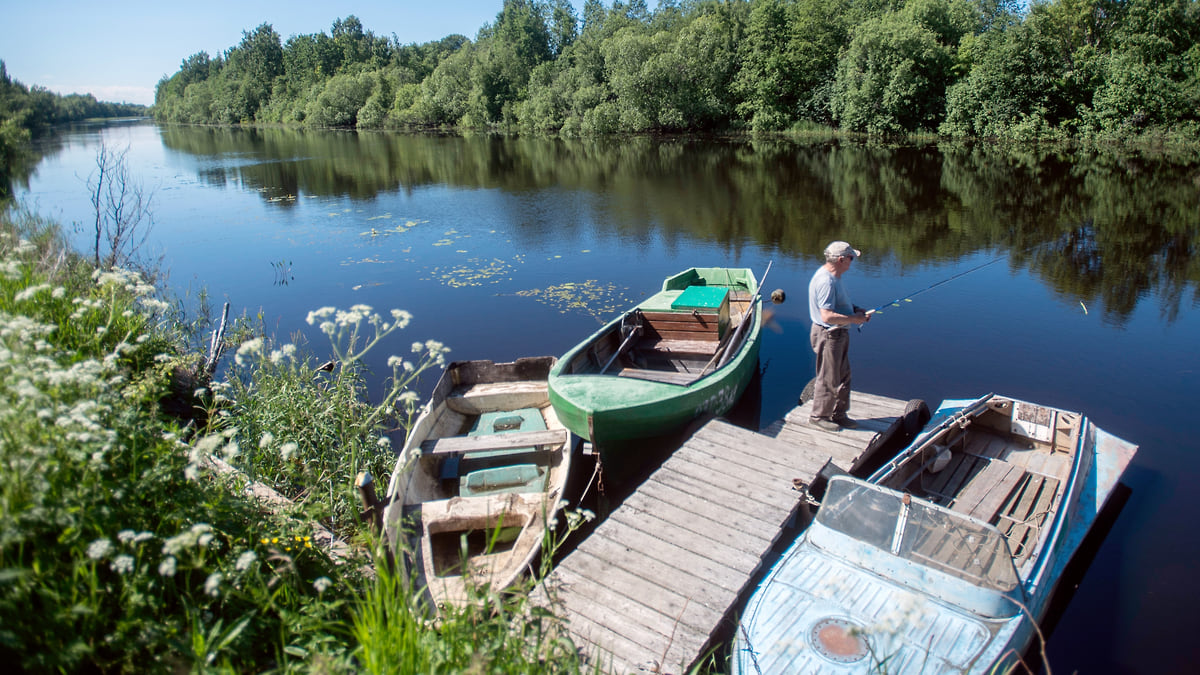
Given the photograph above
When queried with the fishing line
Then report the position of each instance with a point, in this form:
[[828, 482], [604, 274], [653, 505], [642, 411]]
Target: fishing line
[[910, 296]]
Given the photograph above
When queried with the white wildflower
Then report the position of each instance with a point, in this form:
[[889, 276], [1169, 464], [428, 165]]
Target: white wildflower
[[99, 549], [212, 585], [248, 348], [266, 440], [322, 584], [322, 313], [384, 442], [402, 318], [288, 449], [287, 351], [154, 305], [123, 564], [245, 560], [166, 568]]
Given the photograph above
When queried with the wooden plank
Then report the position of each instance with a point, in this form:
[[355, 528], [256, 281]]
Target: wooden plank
[[961, 475], [485, 389], [673, 346], [767, 455], [718, 581], [1019, 514], [691, 517], [813, 437], [941, 478], [686, 484], [987, 489], [664, 376], [659, 607], [505, 441], [789, 464], [615, 544], [776, 491], [736, 518], [663, 531], [708, 455], [604, 604], [700, 599], [857, 438], [767, 494]]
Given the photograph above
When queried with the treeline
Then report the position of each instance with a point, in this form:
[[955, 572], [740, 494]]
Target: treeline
[[28, 112], [1057, 69]]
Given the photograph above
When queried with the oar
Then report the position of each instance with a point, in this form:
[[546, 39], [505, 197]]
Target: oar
[[724, 353], [633, 332]]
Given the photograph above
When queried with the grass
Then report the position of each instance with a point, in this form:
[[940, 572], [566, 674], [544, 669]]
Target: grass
[[122, 550]]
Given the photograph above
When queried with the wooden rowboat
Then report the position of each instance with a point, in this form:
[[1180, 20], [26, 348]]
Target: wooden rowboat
[[685, 352], [945, 559], [479, 479]]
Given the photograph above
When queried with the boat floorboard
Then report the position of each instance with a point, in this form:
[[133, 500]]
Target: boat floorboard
[[653, 587]]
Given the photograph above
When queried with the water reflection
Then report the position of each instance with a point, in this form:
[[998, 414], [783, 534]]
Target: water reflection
[[1104, 229]]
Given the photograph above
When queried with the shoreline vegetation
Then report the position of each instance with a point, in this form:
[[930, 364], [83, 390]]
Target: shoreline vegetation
[[1051, 70], [124, 545]]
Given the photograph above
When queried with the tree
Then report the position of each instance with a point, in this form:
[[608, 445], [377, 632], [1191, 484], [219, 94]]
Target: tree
[[1149, 78], [891, 79], [893, 76], [122, 207]]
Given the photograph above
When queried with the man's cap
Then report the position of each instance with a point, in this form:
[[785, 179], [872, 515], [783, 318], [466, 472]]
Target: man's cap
[[840, 248]]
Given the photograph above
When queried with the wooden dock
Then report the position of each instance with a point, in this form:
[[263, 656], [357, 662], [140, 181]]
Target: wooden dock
[[655, 586]]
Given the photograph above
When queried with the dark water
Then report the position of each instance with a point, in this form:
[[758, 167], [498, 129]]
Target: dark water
[[1091, 307]]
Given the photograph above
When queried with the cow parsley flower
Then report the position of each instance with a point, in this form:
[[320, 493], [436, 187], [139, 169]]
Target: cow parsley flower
[[99, 549]]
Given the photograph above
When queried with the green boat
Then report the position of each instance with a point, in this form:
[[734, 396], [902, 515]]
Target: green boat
[[686, 352]]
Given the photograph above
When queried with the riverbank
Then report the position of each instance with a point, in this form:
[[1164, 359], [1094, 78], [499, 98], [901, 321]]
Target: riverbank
[[123, 551]]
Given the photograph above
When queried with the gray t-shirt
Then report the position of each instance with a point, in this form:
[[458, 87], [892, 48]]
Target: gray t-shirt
[[827, 291]]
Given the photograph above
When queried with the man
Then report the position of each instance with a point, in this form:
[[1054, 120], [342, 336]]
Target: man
[[831, 312]]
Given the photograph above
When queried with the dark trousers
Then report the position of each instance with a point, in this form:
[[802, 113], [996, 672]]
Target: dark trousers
[[831, 390]]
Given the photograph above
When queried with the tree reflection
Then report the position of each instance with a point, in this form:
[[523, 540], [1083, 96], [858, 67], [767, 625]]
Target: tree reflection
[[1107, 230]]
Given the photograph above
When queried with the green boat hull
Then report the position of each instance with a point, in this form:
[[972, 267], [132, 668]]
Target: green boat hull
[[614, 411]]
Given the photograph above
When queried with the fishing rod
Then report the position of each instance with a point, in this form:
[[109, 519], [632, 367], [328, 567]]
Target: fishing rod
[[910, 296]]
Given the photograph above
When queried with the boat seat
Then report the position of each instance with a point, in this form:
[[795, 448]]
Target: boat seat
[[503, 480]]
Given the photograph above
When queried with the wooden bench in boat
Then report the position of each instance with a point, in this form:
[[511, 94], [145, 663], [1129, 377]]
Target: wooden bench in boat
[[516, 440], [665, 347], [665, 376]]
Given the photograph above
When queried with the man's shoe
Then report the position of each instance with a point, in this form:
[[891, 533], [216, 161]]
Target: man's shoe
[[823, 423], [844, 421]]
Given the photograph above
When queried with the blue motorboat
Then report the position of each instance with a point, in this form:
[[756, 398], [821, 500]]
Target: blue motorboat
[[943, 560]]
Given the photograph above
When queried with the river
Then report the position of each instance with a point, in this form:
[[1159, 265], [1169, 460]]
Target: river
[[504, 247]]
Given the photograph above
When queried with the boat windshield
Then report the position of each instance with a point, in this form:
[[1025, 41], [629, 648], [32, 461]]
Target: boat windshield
[[920, 532]]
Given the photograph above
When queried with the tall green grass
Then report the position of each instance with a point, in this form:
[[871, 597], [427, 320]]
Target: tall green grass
[[123, 550]]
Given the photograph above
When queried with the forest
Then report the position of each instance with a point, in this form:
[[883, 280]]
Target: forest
[[29, 112], [1001, 69]]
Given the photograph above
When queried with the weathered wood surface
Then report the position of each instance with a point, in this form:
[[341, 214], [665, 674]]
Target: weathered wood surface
[[488, 442], [876, 415], [652, 587]]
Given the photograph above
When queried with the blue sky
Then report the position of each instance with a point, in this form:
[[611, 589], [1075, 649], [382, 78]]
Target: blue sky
[[118, 51]]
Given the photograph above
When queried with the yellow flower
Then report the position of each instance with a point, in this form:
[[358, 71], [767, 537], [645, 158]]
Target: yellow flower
[[265, 540]]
